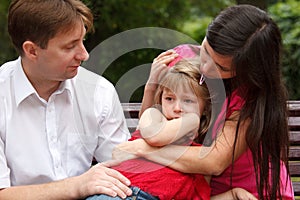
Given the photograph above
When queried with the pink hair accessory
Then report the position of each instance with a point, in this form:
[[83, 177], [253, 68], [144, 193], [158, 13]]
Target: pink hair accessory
[[183, 51]]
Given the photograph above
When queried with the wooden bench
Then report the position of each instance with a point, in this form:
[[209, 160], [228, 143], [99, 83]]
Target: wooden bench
[[131, 111]]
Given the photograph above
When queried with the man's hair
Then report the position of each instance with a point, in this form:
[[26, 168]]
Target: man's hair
[[40, 21]]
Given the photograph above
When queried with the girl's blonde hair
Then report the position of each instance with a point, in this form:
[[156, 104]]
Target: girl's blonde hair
[[182, 75]]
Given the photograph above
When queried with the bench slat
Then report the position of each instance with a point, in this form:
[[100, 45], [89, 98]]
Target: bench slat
[[296, 187], [295, 137], [294, 167], [294, 108], [294, 153], [294, 123]]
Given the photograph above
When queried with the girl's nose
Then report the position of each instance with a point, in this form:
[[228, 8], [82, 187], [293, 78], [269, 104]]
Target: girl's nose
[[178, 107]]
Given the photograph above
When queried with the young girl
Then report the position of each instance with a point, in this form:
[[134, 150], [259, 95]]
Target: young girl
[[181, 114]]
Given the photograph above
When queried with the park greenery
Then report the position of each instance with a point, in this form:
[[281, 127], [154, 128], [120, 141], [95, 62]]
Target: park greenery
[[191, 18]]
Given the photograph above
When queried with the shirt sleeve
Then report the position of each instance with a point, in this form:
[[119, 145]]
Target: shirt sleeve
[[4, 170], [111, 121]]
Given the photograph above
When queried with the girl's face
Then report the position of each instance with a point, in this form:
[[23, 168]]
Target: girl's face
[[175, 104], [214, 65]]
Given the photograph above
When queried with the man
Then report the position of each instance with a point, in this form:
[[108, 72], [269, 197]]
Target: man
[[55, 116]]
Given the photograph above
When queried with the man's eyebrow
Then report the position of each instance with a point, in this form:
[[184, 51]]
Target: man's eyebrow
[[220, 66]]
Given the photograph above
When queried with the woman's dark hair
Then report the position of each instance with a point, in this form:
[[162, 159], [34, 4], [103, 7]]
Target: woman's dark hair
[[253, 40]]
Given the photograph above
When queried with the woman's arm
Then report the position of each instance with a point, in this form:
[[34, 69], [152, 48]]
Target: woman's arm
[[191, 159], [158, 69], [156, 130]]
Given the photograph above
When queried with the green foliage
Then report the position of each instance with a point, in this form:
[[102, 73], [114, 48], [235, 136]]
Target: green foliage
[[201, 14], [287, 16], [7, 51], [116, 16], [196, 27]]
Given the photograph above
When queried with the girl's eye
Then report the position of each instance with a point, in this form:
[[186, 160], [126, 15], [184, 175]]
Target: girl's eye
[[188, 101], [168, 98]]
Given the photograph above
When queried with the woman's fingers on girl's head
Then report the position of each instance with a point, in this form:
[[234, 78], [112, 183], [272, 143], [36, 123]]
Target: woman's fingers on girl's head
[[170, 52]]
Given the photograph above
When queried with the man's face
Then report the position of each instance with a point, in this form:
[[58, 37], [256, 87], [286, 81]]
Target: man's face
[[63, 55]]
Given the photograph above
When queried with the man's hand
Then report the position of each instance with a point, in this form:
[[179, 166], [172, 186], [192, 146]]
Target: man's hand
[[101, 179]]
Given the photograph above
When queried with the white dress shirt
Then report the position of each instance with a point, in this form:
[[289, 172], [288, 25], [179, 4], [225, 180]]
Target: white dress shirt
[[44, 141]]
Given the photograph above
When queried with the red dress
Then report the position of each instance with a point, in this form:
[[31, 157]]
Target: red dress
[[164, 182]]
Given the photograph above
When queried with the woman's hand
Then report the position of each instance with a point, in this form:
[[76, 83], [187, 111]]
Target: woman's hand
[[159, 66], [158, 70], [235, 194], [242, 194]]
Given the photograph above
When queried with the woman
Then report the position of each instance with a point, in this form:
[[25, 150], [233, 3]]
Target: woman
[[243, 47]]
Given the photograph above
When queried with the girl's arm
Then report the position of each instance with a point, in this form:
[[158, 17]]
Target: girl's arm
[[156, 130]]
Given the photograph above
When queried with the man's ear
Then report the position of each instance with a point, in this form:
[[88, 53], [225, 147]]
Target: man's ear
[[30, 50]]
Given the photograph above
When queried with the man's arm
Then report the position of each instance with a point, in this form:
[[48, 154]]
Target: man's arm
[[98, 180], [158, 131]]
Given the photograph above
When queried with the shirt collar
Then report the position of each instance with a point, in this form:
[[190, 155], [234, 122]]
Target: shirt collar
[[66, 86], [23, 87]]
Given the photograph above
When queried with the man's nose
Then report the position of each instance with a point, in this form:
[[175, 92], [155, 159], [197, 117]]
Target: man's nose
[[82, 53]]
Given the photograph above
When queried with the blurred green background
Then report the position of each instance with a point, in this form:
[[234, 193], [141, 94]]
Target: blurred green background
[[190, 17]]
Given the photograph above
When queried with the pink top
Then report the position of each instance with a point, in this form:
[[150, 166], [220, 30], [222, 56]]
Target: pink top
[[243, 175]]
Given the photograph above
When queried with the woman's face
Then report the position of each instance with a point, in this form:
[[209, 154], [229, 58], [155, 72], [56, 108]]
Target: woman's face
[[214, 65]]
